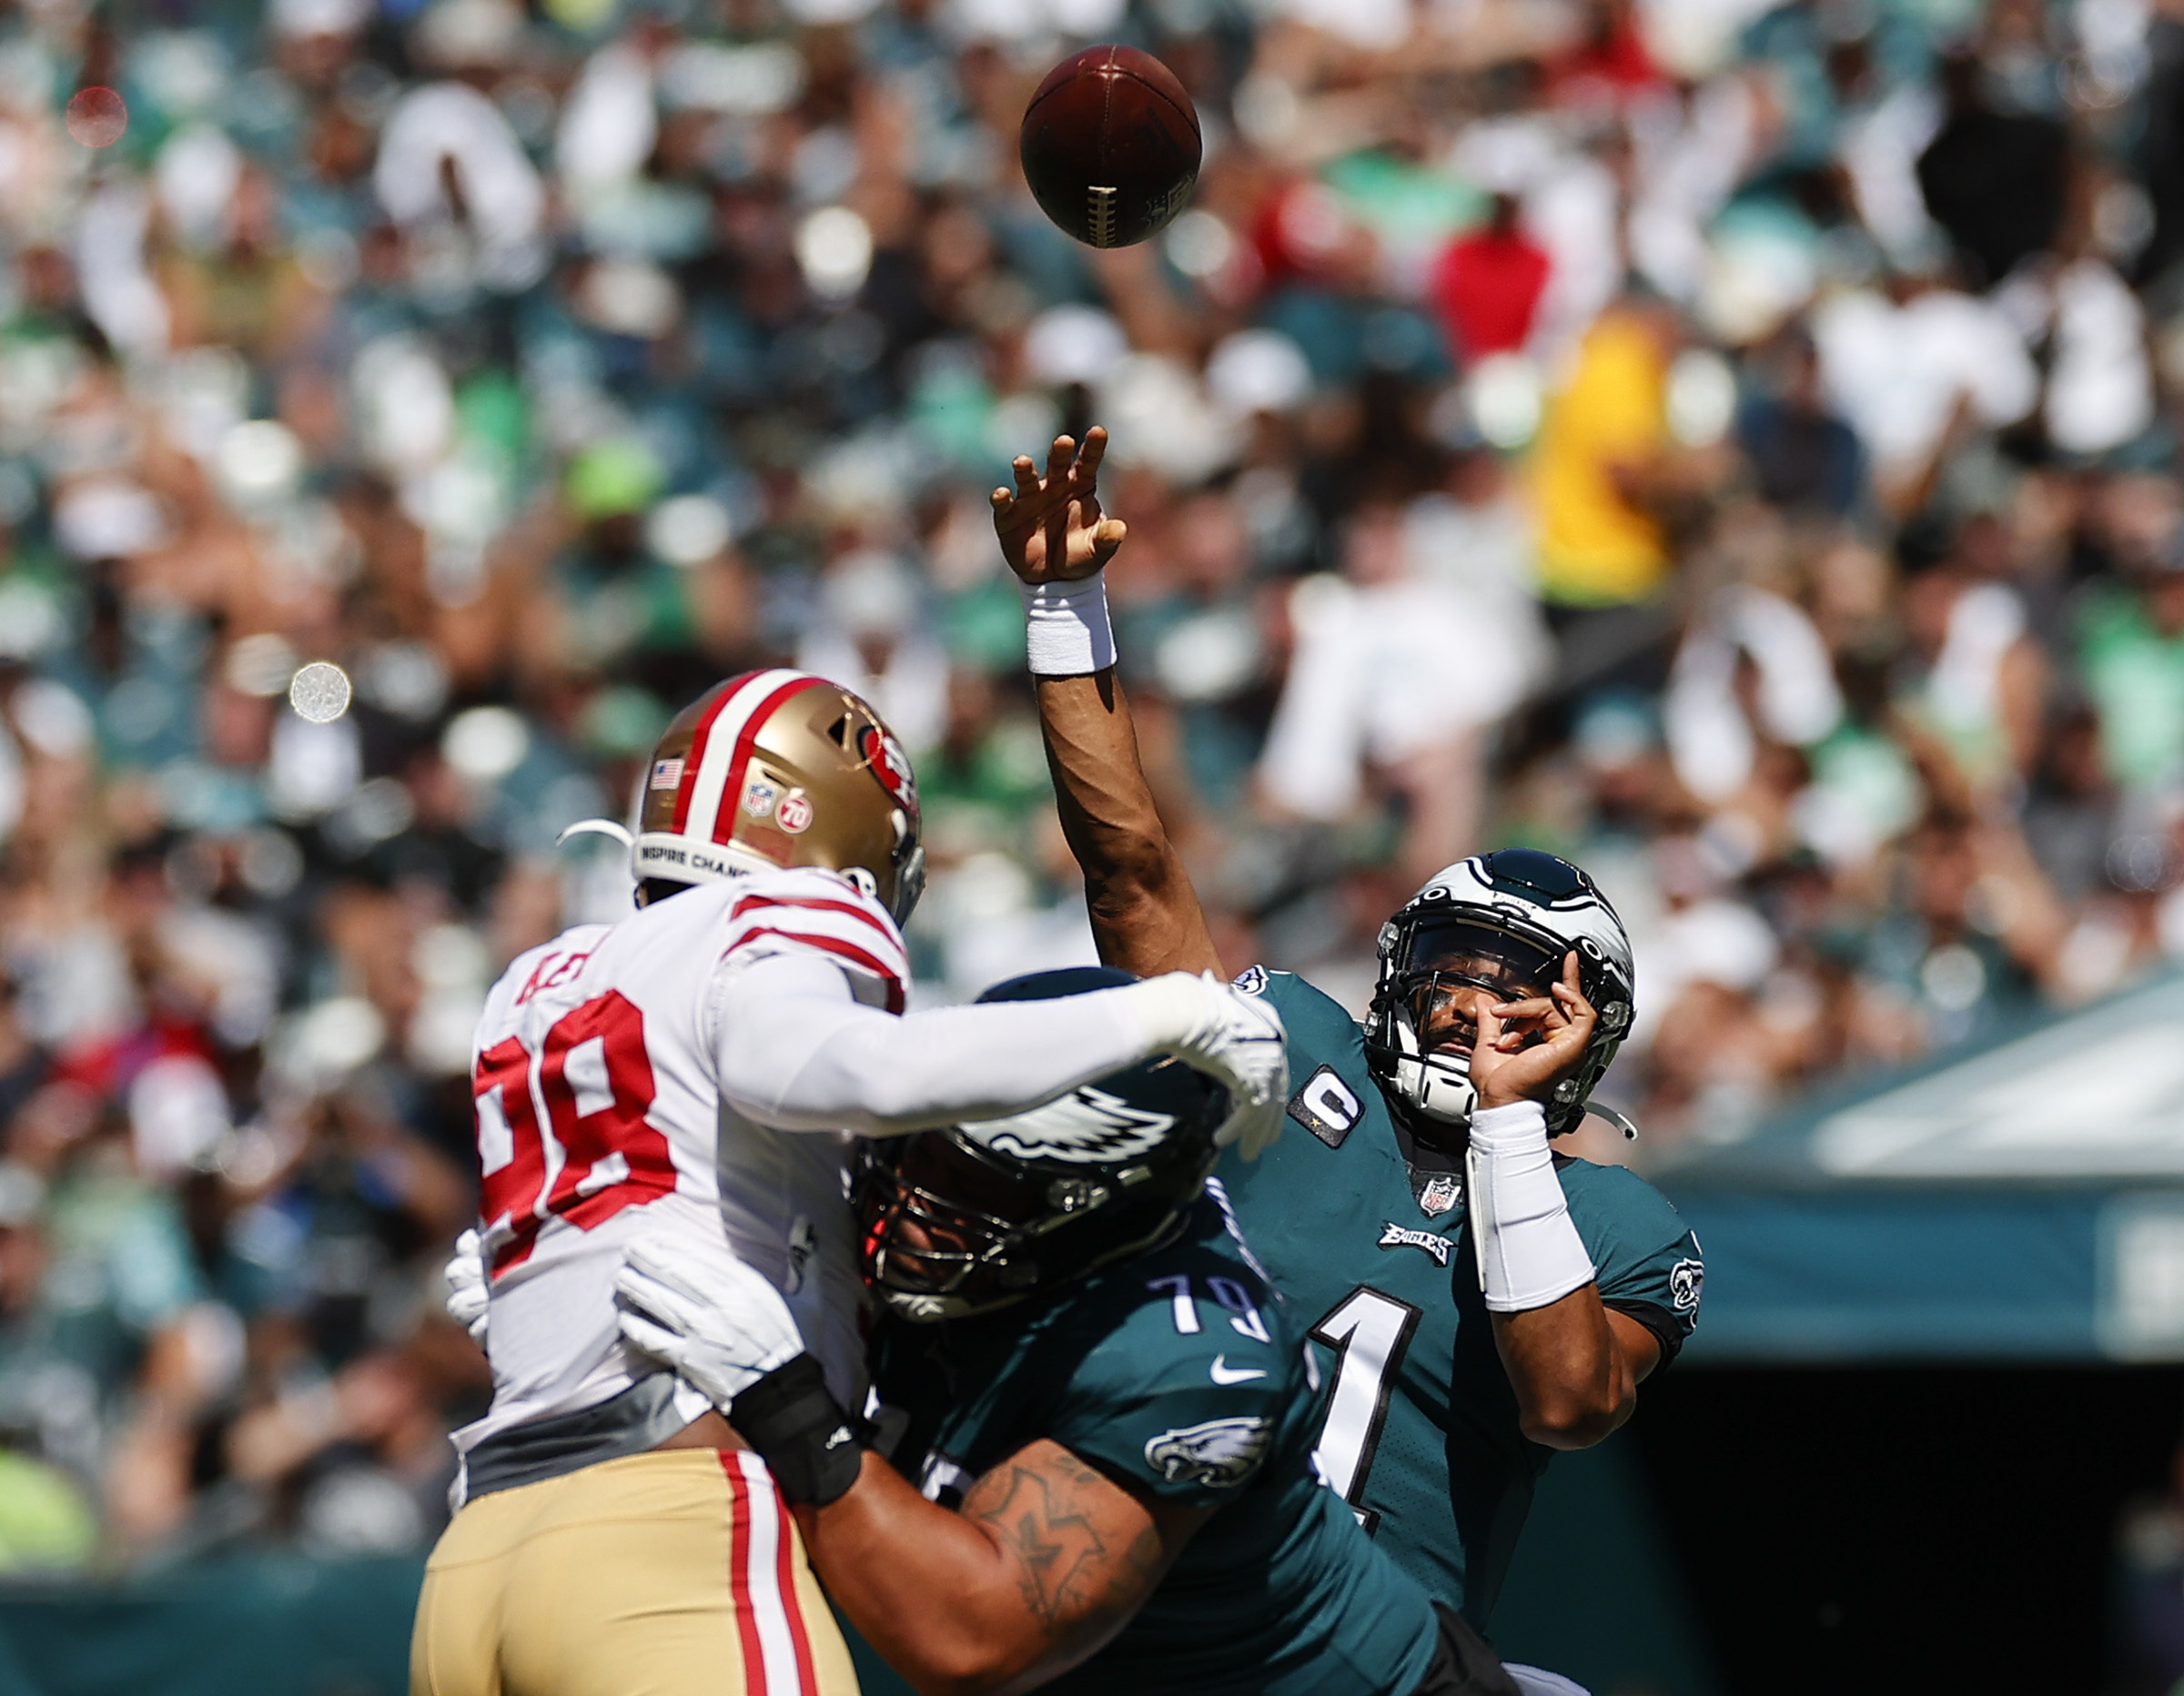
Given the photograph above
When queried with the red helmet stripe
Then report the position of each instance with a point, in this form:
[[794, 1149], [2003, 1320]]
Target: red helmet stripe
[[694, 761], [732, 789]]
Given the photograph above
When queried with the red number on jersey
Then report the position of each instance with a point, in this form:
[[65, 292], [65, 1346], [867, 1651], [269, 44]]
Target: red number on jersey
[[597, 1083]]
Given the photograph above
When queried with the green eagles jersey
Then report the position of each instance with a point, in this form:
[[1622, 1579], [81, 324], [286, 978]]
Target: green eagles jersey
[[1177, 1374], [1421, 1434]]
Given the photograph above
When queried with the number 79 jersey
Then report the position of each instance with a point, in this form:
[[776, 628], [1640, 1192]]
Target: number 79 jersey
[[1422, 1435], [600, 1117]]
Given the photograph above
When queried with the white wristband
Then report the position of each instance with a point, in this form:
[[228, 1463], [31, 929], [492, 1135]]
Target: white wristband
[[1530, 1253], [1066, 628]]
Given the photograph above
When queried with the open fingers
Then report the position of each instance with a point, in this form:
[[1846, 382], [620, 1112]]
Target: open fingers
[[1026, 473], [1058, 457], [1095, 451]]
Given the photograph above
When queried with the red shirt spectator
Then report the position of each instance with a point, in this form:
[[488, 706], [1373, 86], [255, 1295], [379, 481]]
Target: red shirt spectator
[[1608, 64], [1488, 283]]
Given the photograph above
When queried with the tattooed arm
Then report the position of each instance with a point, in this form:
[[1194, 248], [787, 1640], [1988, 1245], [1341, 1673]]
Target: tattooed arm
[[1047, 1560]]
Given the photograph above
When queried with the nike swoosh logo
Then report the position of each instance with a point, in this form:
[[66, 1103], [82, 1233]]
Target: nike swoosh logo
[[1223, 1373]]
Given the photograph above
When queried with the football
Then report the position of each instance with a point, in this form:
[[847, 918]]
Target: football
[[1110, 145]]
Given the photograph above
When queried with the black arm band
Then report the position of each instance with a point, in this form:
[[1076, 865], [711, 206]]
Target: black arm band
[[1667, 1329], [792, 1420]]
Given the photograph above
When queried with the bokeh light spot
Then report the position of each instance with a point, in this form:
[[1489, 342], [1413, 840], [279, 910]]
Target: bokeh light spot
[[97, 116], [320, 692]]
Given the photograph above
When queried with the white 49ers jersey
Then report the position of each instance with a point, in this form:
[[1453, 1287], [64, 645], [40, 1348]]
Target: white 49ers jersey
[[600, 1117]]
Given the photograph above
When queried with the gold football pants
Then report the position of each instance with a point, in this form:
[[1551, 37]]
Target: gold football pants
[[678, 1572]]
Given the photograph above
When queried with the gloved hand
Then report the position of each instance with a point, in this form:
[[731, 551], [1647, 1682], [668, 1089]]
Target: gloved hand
[[1230, 1036], [718, 1323], [469, 1292]]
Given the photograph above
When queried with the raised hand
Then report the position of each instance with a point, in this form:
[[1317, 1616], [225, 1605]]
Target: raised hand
[[1050, 526], [1526, 1047]]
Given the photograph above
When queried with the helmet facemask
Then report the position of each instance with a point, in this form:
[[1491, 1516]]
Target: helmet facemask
[[951, 1228]]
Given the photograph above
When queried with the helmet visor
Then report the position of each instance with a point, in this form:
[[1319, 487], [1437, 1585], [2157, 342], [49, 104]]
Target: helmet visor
[[1457, 960], [1463, 948]]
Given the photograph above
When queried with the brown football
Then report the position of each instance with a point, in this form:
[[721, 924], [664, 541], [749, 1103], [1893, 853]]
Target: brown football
[[1110, 145]]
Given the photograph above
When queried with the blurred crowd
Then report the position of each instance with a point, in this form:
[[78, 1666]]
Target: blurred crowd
[[1733, 446]]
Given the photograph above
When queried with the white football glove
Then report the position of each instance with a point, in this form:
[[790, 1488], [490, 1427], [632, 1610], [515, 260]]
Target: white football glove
[[720, 1324], [469, 1292], [1230, 1036]]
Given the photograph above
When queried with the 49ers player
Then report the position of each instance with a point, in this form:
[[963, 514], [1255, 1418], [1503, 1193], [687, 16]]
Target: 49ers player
[[695, 1070]]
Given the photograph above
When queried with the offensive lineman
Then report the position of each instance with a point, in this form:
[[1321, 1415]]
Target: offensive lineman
[[688, 1075], [1483, 1301], [1109, 1418]]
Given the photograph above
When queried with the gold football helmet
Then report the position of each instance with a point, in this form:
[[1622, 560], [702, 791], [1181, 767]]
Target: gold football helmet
[[781, 768]]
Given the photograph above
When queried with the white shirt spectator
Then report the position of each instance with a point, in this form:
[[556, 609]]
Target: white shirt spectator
[[2101, 389], [1711, 742], [869, 639], [608, 128], [1897, 371], [445, 123], [1382, 673]]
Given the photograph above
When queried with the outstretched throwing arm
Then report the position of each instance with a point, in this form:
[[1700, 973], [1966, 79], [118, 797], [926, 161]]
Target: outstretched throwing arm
[[1146, 916]]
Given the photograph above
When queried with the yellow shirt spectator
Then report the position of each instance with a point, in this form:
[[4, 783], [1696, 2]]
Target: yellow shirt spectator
[[1595, 547]]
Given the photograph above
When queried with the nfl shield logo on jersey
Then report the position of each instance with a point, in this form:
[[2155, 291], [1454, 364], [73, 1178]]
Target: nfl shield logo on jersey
[[1440, 1195]]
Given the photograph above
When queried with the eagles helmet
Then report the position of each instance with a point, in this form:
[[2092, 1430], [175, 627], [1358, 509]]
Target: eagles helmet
[[1502, 921], [953, 1227], [779, 768]]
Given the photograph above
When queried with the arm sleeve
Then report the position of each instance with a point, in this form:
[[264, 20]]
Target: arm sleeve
[[797, 1051]]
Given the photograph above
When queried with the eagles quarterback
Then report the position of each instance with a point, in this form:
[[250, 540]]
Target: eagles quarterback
[[1482, 1301], [691, 1076], [1100, 1420]]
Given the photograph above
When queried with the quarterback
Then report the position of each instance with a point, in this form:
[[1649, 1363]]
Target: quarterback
[[1100, 1419], [1481, 1300], [691, 1075]]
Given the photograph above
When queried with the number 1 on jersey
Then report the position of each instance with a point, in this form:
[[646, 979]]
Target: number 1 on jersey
[[1369, 1332]]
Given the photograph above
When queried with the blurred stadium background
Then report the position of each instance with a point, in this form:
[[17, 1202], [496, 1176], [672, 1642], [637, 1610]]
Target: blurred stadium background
[[1735, 446]]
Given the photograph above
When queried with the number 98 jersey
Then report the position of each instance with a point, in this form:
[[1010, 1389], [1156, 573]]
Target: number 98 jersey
[[600, 1117], [1421, 1434]]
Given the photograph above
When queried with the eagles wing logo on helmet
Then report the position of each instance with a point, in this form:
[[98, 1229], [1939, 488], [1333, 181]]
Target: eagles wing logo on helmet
[[1088, 1126], [1217, 1452]]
